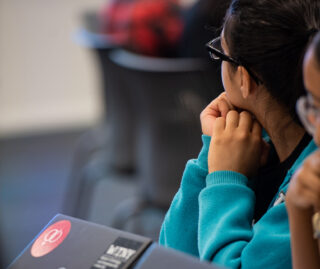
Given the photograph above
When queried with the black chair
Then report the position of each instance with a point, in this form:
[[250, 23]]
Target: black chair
[[112, 133], [108, 148], [168, 96]]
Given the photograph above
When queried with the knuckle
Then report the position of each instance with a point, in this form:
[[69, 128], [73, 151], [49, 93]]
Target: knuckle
[[220, 121], [217, 139], [298, 174], [231, 113], [222, 96], [242, 136], [299, 179], [308, 162], [245, 114], [306, 165], [300, 191]]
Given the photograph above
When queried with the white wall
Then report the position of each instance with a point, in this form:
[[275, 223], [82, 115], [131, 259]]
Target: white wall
[[47, 81]]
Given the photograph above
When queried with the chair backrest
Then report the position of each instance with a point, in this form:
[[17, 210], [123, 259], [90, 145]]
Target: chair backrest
[[168, 96], [120, 115]]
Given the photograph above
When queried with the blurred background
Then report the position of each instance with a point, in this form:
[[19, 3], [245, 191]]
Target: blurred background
[[98, 112], [49, 95]]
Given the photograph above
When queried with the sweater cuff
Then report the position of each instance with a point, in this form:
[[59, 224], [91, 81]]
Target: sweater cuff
[[226, 177], [203, 155]]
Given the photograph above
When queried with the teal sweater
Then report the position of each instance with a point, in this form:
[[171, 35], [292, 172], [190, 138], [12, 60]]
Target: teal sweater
[[211, 217]]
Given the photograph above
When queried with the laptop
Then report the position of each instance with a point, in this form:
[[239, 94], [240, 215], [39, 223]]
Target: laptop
[[70, 243]]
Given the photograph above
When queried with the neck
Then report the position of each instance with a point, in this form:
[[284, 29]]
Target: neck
[[284, 133]]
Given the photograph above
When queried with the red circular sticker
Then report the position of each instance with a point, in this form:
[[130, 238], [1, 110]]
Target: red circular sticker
[[51, 238]]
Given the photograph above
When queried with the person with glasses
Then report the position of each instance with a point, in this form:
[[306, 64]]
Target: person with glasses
[[303, 196], [230, 208]]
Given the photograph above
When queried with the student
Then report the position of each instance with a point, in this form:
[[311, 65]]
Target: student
[[303, 196], [230, 206]]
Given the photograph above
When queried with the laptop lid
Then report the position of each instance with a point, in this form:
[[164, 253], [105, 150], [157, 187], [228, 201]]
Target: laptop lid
[[68, 242]]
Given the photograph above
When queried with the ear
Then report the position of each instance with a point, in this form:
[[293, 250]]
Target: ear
[[246, 83]]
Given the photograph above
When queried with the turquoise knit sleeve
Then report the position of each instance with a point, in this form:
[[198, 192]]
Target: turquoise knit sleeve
[[226, 234], [180, 226]]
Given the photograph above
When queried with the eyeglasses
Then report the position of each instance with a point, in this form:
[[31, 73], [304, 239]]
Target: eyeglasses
[[216, 54], [308, 113]]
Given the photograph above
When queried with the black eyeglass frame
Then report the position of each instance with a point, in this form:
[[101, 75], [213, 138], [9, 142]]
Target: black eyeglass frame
[[218, 55]]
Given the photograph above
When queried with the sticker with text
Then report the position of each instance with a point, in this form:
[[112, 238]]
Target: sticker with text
[[119, 254]]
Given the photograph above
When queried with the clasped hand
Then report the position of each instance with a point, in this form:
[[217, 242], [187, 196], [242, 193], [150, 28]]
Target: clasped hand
[[236, 140], [304, 188]]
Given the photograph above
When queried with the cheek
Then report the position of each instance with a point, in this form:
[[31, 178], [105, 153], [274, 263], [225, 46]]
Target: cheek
[[229, 85], [225, 76]]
